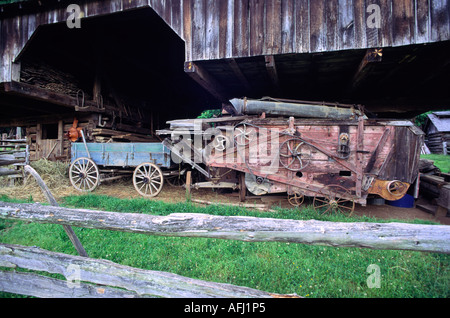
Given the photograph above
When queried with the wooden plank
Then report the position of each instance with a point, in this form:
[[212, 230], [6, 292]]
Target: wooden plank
[[187, 28], [332, 14], [302, 26], [241, 29], [440, 20], [360, 23], [129, 279], [223, 28], [423, 21], [257, 35], [198, 29], [395, 236], [204, 79], [318, 26], [346, 22], [288, 26], [273, 27], [403, 22], [30, 284], [212, 30]]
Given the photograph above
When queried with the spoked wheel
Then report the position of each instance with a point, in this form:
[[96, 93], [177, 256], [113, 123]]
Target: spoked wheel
[[334, 199], [148, 179], [176, 181], [295, 155], [296, 199], [244, 134], [84, 175]]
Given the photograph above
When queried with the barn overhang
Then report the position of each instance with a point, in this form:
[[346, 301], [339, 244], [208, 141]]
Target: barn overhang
[[187, 55]]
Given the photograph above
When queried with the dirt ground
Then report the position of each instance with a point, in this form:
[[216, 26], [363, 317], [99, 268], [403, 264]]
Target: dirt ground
[[125, 189]]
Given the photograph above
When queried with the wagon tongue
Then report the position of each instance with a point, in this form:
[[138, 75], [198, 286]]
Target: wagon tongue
[[294, 108]]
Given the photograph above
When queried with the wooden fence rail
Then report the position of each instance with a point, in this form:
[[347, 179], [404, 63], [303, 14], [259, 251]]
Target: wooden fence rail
[[91, 278], [101, 278], [392, 236]]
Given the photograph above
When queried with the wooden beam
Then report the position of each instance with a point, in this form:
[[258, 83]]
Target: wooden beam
[[103, 276], [272, 70], [238, 72], [205, 80], [390, 236], [368, 62]]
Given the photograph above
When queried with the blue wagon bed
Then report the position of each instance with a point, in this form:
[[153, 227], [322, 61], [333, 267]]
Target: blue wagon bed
[[144, 160]]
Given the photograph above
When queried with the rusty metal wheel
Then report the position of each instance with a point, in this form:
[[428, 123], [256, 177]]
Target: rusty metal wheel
[[148, 179], [295, 155], [84, 175], [296, 199], [334, 199]]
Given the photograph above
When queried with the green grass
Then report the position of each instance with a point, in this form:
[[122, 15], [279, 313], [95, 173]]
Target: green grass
[[440, 161], [310, 271]]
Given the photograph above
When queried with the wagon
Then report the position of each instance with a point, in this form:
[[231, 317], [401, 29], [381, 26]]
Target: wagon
[[148, 163]]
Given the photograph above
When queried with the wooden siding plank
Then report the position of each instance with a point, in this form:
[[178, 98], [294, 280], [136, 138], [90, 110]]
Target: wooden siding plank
[[198, 29], [288, 26], [360, 23], [423, 21], [241, 28], [187, 28], [346, 22], [318, 25], [440, 28], [212, 30], [331, 14], [223, 22], [302, 26], [256, 27], [386, 23], [273, 27], [403, 22], [176, 20]]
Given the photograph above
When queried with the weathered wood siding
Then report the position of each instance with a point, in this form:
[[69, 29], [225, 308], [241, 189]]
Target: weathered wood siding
[[214, 29]]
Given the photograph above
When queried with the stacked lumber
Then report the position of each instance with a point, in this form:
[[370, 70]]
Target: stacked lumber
[[199, 125], [47, 77], [103, 135]]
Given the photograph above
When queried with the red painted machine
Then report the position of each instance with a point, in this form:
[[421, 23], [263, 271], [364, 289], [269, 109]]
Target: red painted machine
[[331, 153]]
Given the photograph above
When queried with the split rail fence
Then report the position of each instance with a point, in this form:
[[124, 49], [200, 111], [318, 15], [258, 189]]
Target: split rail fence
[[101, 278]]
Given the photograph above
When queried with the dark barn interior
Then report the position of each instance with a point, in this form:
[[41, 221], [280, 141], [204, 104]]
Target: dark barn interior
[[128, 70], [135, 54]]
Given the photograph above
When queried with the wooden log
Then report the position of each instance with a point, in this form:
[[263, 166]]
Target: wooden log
[[392, 236], [45, 287], [103, 272]]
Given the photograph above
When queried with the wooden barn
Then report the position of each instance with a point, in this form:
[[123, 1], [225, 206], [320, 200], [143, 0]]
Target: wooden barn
[[129, 66], [437, 129]]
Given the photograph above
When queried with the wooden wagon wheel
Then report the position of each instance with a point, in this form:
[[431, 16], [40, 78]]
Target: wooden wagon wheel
[[295, 155], [148, 179], [296, 199], [176, 181], [244, 134], [84, 175], [334, 199]]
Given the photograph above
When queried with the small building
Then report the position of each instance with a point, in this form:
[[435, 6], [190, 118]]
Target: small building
[[437, 129]]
